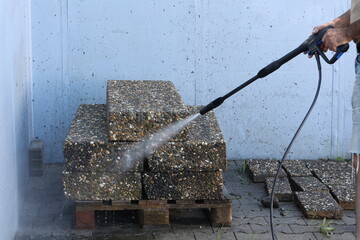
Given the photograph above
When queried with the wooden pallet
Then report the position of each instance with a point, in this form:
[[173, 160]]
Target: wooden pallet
[[153, 212]]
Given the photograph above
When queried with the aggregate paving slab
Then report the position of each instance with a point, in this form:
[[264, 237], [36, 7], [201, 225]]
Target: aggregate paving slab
[[203, 150], [296, 168], [84, 186], [341, 179], [308, 184], [318, 205], [86, 147], [331, 169], [259, 170], [344, 195], [183, 185], [137, 109], [282, 189]]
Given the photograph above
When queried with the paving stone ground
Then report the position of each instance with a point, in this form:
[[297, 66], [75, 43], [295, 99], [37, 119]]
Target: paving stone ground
[[48, 215]]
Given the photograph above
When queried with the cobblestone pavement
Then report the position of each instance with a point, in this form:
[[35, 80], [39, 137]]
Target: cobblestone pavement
[[48, 215]]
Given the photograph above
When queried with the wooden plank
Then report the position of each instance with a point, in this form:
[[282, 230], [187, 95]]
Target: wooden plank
[[153, 212], [85, 219], [154, 217], [221, 217]]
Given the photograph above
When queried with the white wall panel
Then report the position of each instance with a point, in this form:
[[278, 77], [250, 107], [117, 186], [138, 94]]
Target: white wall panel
[[15, 111], [206, 48]]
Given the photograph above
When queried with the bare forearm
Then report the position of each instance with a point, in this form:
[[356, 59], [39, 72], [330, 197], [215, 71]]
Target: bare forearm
[[342, 21], [353, 31]]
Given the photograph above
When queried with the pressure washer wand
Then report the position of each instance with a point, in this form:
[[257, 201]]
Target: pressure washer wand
[[311, 45]]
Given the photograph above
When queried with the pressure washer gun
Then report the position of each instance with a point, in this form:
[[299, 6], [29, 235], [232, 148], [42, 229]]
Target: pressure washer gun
[[311, 46]]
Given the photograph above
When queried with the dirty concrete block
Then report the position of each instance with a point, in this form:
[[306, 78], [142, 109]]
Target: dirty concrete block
[[203, 150], [137, 109], [331, 169], [318, 205], [344, 195], [308, 184], [296, 168], [339, 179], [86, 147], [183, 185], [84, 186], [282, 189], [259, 170]]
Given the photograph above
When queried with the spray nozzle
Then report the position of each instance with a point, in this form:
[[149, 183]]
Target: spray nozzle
[[217, 102]]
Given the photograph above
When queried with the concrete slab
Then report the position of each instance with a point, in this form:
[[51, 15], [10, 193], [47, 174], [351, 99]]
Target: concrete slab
[[344, 195], [308, 184], [331, 169], [86, 147], [85, 186], [282, 189], [137, 109], [183, 185], [259, 169], [296, 168], [318, 205], [203, 150]]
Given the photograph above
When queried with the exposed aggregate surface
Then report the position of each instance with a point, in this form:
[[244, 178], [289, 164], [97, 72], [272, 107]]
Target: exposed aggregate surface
[[137, 109]]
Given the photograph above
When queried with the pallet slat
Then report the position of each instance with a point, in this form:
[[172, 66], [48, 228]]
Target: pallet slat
[[153, 212]]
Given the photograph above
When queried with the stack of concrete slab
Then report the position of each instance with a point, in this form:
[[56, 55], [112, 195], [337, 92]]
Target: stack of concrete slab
[[94, 164], [101, 163]]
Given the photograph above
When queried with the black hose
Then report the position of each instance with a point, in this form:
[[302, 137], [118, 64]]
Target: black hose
[[291, 143]]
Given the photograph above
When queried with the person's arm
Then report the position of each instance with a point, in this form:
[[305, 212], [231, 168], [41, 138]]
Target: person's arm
[[343, 32], [353, 31], [340, 22]]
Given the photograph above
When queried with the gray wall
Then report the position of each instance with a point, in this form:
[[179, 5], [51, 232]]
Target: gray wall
[[15, 111], [206, 48]]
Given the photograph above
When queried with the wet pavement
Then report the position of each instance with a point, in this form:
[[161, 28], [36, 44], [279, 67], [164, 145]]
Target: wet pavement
[[48, 215]]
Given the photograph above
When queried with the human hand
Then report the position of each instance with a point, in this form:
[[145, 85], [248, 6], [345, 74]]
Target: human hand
[[315, 30], [335, 37]]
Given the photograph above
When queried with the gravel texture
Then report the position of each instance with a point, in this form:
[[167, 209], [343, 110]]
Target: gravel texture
[[296, 168], [344, 195], [183, 185], [137, 109], [282, 189], [308, 184], [102, 185], [331, 169], [86, 147], [203, 150], [259, 170], [316, 205]]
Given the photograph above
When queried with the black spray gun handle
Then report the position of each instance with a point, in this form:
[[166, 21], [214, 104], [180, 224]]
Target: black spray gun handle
[[314, 42]]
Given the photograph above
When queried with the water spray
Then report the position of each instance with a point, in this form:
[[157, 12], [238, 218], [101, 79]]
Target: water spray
[[312, 47], [154, 142]]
